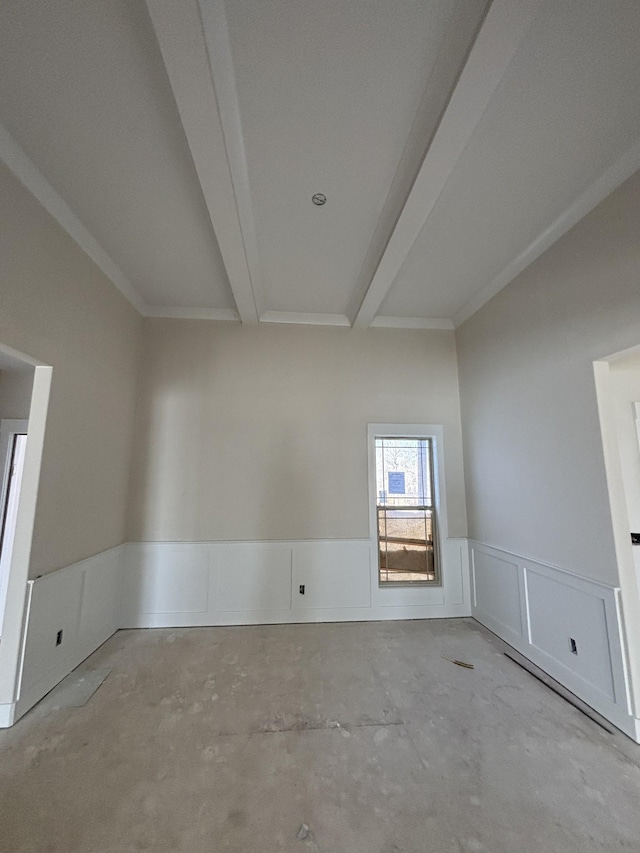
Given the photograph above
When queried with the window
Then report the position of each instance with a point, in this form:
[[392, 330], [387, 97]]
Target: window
[[405, 511]]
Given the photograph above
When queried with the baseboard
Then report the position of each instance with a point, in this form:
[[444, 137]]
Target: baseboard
[[7, 715], [566, 624], [172, 584], [83, 602]]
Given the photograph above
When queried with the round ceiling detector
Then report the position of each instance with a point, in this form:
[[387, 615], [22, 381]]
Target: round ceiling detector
[[319, 199]]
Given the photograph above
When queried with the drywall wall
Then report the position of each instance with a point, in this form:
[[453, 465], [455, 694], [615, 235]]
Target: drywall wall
[[533, 452], [59, 308], [15, 393], [624, 386], [260, 432]]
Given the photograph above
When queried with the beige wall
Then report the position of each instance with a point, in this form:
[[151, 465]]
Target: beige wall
[[56, 306], [15, 393], [533, 451], [260, 432]]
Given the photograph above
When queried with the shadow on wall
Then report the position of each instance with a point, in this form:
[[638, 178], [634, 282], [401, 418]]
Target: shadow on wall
[[205, 473], [165, 484]]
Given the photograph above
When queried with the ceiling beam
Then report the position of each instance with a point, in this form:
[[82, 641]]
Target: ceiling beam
[[458, 40], [194, 43], [25, 170], [502, 31]]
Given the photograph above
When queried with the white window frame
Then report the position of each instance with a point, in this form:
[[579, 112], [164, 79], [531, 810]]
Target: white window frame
[[435, 432]]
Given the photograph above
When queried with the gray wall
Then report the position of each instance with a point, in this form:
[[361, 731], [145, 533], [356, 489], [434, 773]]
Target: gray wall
[[261, 432], [533, 453]]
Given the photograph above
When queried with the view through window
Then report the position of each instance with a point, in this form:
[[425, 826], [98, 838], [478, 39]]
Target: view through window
[[406, 512]]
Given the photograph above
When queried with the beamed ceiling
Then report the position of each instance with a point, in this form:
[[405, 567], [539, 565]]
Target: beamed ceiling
[[180, 142]]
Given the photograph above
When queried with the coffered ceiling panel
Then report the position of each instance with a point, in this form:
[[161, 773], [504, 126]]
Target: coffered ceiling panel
[[566, 109], [327, 94], [180, 142], [84, 92]]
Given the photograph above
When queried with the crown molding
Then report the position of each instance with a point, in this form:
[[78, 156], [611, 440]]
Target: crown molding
[[226, 314], [410, 323], [305, 319]]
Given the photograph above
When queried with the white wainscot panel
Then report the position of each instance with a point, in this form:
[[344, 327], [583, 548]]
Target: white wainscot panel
[[165, 578], [335, 575], [539, 609], [54, 607], [253, 577], [99, 612], [497, 598], [559, 613], [82, 602]]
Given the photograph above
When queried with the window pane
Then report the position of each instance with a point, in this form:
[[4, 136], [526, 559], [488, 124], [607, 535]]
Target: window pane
[[403, 474], [406, 514], [406, 546]]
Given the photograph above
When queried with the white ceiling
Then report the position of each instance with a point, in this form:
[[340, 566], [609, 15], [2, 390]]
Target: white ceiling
[[180, 141]]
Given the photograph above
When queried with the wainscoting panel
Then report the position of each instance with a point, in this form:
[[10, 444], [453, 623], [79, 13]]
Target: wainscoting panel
[[54, 609], [566, 624], [70, 614], [72, 611], [333, 574], [560, 614], [253, 583], [100, 606], [166, 579], [253, 577], [497, 593]]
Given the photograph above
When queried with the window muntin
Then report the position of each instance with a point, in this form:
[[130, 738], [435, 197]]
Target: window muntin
[[406, 511]]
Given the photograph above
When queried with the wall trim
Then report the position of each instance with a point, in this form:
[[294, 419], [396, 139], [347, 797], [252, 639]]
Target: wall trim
[[7, 715], [226, 314], [538, 608], [180, 584], [381, 322], [16, 601], [305, 319]]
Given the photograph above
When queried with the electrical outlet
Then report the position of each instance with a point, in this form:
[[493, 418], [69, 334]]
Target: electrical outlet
[[301, 589], [59, 638], [573, 646]]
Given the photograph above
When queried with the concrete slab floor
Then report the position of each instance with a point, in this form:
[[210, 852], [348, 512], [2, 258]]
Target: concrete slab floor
[[230, 739]]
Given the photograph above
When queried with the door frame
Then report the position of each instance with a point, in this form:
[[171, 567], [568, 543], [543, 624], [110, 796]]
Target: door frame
[[627, 580], [10, 429], [12, 645]]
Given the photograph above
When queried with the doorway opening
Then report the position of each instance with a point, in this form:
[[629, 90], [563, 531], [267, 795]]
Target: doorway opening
[[618, 394], [24, 400]]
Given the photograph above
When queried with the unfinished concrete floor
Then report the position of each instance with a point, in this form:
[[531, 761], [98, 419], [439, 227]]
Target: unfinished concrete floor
[[230, 739]]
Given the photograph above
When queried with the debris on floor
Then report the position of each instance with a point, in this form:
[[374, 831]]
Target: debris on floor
[[77, 688], [303, 833], [459, 662]]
